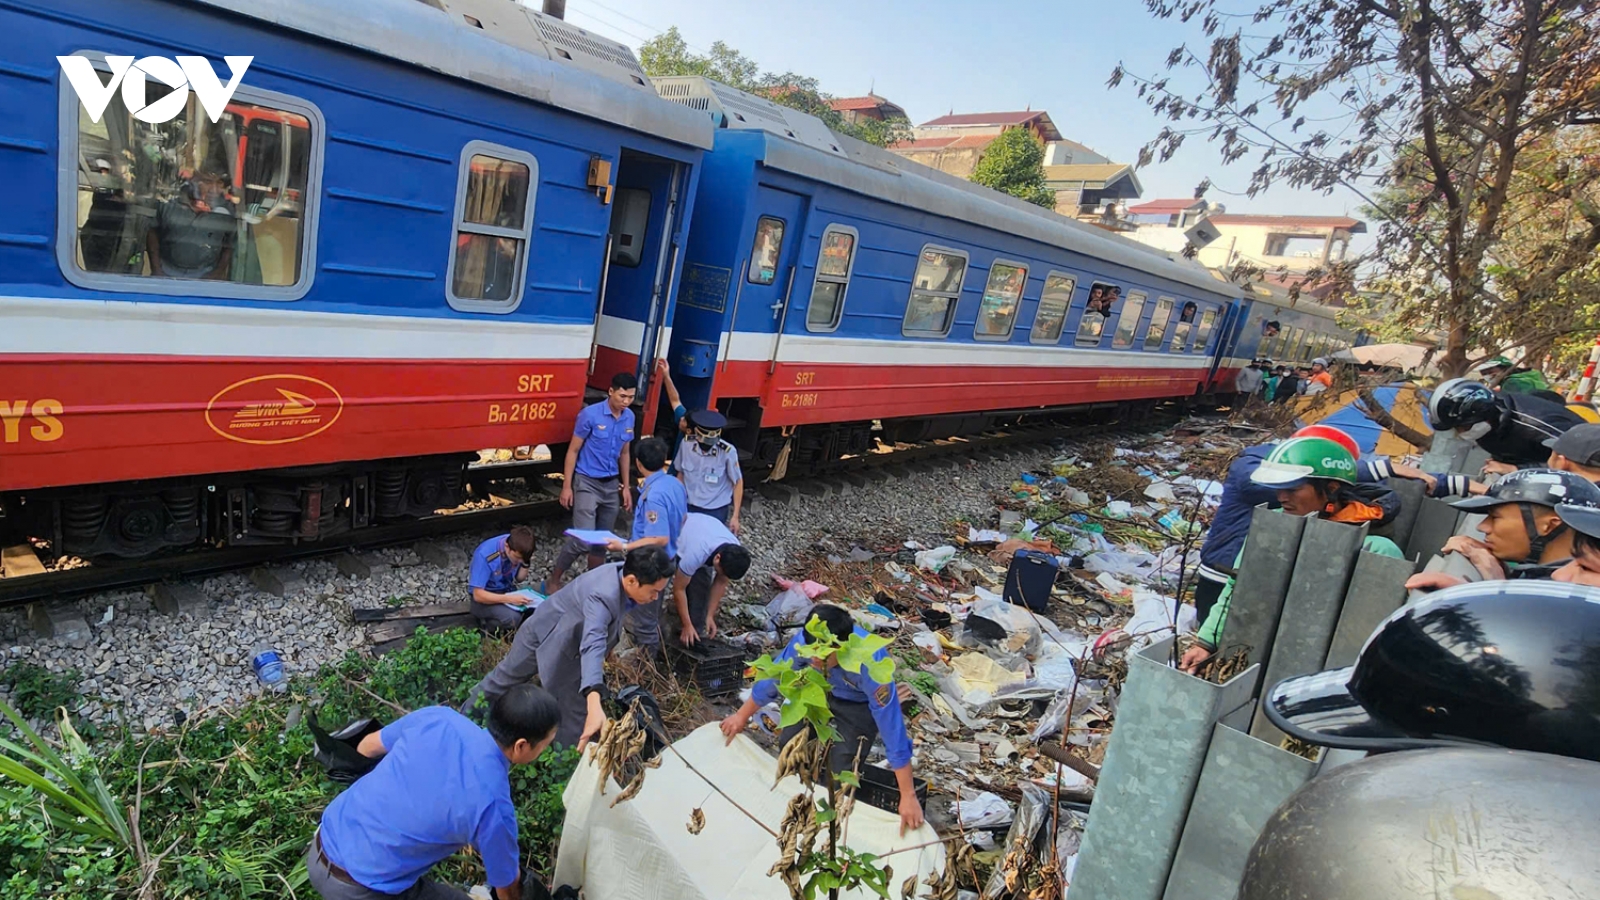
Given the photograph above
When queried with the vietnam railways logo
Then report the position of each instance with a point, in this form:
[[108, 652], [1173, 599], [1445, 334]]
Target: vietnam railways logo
[[274, 409]]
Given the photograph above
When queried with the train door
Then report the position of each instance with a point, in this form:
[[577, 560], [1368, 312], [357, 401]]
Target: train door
[[770, 291], [643, 245]]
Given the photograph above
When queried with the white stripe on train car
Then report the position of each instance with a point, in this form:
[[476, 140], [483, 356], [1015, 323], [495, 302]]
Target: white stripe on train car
[[627, 335], [803, 348], [31, 325]]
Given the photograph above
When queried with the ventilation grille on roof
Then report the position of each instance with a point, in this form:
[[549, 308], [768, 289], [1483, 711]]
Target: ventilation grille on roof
[[576, 40], [732, 108]]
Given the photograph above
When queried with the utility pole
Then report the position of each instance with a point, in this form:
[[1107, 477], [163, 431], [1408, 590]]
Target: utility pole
[[556, 8]]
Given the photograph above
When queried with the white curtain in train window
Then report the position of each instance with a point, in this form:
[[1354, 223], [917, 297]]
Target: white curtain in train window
[[1128, 321], [1001, 296], [193, 199], [487, 258], [935, 289], [1051, 315]]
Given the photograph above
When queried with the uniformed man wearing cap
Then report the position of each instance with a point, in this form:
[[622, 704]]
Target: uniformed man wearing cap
[[708, 466], [1577, 451]]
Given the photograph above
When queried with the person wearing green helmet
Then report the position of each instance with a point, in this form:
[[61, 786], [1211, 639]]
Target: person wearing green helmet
[[1512, 378], [1313, 476]]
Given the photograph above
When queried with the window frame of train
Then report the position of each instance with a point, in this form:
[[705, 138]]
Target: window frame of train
[[70, 181], [1045, 294], [459, 226], [768, 277], [821, 278], [1184, 329], [1135, 301], [978, 333], [1164, 307], [952, 298], [1208, 323]]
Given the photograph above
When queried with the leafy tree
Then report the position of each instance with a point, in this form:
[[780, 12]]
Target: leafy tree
[[1014, 164], [1432, 111], [668, 54]]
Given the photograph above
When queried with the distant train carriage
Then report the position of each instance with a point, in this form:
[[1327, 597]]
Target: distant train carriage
[[302, 313], [1267, 325], [829, 284]]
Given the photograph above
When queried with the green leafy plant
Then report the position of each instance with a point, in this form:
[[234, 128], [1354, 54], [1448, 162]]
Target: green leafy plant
[[68, 791], [37, 691]]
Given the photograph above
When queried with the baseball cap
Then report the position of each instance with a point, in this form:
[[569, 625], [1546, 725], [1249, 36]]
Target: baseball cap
[[1581, 444]]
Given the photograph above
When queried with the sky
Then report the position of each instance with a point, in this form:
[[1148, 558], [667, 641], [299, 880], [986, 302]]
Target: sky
[[937, 56]]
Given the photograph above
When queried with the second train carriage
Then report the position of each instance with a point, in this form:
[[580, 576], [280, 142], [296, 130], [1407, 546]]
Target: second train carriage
[[829, 285]]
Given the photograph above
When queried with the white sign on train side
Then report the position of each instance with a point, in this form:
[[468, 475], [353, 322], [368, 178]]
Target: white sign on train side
[[183, 74]]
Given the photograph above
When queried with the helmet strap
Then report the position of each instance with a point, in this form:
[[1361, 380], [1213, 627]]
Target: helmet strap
[[1536, 541]]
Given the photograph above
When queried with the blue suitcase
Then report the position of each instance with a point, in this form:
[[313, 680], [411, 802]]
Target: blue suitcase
[[1030, 578]]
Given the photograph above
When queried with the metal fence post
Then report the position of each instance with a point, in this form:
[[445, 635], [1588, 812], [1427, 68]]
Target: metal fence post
[[1311, 607], [1164, 723], [1377, 588], [1436, 523], [1264, 572], [1412, 492]]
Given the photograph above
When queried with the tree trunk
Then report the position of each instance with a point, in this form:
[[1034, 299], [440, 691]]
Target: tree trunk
[[1374, 410]]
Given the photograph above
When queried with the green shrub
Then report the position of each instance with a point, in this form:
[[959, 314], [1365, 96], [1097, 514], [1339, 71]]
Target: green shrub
[[37, 691]]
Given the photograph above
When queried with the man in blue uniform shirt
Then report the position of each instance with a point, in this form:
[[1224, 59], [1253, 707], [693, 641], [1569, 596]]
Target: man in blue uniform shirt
[[708, 466], [594, 484], [657, 519], [496, 566], [566, 640], [862, 711], [709, 556], [442, 784]]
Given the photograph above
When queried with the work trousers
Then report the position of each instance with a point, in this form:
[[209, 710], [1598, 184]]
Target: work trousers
[[857, 730], [555, 663], [324, 882], [496, 616], [595, 504]]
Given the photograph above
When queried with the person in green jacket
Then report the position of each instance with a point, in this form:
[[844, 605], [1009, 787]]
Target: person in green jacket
[[1313, 476], [1521, 379]]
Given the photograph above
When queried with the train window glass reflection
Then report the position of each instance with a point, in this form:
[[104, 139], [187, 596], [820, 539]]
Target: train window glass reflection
[[766, 251], [228, 207], [494, 219], [630, 222], [1128, 322], [1051, 316], [835, 261], [997, 314], [935, 290], [1158, 324], [1208, 320]]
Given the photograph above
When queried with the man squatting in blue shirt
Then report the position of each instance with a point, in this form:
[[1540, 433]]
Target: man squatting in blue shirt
[[442, 784], [497, 565], [862, 711]]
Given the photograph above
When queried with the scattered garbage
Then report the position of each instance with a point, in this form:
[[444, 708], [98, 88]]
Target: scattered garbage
[[268, 666], [986, 810], [934, 560]]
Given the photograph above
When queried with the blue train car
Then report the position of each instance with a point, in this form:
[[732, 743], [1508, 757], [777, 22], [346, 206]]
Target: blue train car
[[1267, 325], [829, 285], [388, 247]]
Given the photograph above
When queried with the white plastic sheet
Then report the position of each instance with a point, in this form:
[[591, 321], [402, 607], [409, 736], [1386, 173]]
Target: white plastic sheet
[[641, 849]]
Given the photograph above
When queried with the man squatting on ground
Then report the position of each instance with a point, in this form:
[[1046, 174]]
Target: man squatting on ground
[[497, 566]]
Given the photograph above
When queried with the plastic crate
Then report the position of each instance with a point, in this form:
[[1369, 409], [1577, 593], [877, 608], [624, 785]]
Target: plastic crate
[[880, 789], [715, 667]]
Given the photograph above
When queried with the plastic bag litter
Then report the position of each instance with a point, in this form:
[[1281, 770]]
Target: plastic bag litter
[[986, 810], [1161, 492], [1109, 582], [935, 559], [791, 607], [1131, 563], [928, 643], [984, 535], [1055, 715], [811, 588], [1152, 618], [1075, 497], [994, 623], [1119, 509], [975, 680], [1030, 817]]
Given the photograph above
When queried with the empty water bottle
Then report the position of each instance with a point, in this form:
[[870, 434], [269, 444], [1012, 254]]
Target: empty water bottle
[[269, 668]]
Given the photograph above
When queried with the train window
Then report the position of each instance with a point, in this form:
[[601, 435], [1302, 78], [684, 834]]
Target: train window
[[191, 206], [630, 222], [1054, 301], [1180, 337], [1128, 322], [835, 262], [997, 314], [1157, 331], [1208, 320], [766, 251], [935, 290], [494, 219]]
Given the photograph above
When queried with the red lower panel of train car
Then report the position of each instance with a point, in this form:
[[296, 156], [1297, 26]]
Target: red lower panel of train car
[[67, 420], [805, 393]]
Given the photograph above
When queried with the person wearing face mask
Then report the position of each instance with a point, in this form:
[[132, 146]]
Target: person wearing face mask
[[1511, 428], [708, 466], [1313, 476], [1523, 536]]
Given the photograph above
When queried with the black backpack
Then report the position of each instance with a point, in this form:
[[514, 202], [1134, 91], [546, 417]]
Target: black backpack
[[337, 752]]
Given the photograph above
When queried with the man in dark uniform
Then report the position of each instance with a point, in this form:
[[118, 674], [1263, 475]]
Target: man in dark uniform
[[1512, 428]]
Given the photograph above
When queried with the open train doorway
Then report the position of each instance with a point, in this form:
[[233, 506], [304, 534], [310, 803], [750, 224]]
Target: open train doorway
[[643, 245]]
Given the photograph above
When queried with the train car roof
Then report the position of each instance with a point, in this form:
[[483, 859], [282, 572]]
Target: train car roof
[[1279, 297], [801, 144], [499, 44]]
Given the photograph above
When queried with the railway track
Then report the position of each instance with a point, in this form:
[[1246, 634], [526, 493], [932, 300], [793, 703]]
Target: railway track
[[37, 583]]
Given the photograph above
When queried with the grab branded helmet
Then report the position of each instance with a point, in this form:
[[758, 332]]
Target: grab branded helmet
[[1337, 435], [1460, 403], [1298, 460], [1537, 487], [1514, 664], [1459, 823]]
